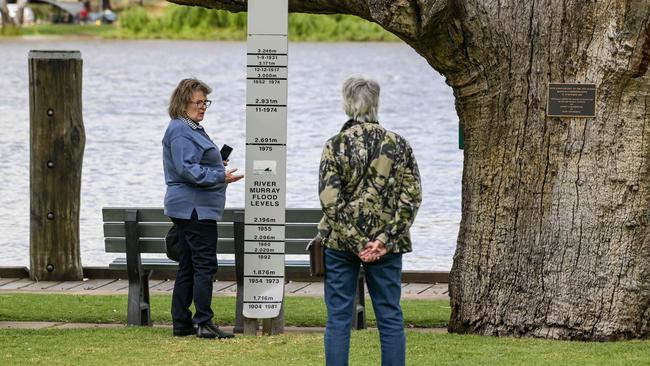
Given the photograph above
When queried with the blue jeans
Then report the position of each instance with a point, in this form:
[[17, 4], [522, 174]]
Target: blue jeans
[[197, 266], [384, 280]]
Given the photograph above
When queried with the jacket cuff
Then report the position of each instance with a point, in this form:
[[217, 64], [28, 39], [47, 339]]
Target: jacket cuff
[[220, 177], [387, 242]]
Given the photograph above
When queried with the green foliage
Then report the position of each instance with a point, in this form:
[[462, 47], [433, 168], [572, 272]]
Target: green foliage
[[182, 22], [186, 22], [310, 27], [193, 22], [10, 31], [135, 19], [42, 12]]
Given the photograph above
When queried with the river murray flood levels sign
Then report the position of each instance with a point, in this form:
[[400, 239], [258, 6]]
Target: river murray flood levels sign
[[266, 155]]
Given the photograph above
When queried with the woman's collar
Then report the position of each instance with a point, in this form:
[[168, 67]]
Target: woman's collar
[[352, 122]]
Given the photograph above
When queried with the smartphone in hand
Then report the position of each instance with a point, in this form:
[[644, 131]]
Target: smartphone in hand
[[225, 152]]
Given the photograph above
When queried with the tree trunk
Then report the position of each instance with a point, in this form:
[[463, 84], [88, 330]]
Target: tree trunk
[[20, 11], [4, 14], [554, 238]]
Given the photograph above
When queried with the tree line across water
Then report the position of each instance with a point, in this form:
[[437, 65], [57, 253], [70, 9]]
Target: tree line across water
[[171, 21], [183, 22]]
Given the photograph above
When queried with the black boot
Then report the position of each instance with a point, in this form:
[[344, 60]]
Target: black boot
[[209, 330], [184, 332]]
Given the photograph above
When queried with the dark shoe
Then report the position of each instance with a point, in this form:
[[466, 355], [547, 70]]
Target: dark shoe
[[184, 332], [209, 330]]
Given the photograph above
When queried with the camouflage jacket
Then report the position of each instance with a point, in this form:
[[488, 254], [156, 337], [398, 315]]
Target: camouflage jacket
[[369, 188]]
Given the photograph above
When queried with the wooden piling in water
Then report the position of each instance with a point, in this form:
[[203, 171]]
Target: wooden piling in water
[[57, 140]]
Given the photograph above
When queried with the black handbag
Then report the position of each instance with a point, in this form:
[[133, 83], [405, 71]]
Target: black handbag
[[172, 244], [316, 257]]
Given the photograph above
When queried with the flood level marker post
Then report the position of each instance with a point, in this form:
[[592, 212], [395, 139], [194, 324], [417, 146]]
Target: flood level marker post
[[266, 151]]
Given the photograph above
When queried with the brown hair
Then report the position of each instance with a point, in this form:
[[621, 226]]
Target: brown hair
[[183, 95]]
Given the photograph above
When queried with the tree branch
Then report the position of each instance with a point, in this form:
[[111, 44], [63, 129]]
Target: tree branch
[[429, 26], [405, 18], [354, 7]]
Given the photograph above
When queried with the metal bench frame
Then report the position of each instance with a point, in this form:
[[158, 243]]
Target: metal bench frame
[[139, 270]]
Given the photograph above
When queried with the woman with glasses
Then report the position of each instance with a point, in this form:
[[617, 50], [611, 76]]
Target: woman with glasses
[[196, 181]]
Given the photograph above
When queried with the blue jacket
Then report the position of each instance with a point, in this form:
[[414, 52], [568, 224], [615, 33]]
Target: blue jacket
[[194, 173]]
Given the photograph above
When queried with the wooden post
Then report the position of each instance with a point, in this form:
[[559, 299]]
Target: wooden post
[[57, 140], [274, 326], [359, 319], [250, 326]]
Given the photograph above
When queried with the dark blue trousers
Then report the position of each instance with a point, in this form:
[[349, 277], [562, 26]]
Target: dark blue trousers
[[384, 280], [197, 267]]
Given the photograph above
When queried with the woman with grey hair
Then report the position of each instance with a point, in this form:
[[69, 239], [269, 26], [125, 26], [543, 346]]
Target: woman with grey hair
[[196, 181], [369, 189]]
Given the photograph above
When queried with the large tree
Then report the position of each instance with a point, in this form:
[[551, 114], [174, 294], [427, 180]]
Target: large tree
[[554, 239]]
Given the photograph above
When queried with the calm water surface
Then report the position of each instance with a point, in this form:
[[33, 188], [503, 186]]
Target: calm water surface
[[126, 89]]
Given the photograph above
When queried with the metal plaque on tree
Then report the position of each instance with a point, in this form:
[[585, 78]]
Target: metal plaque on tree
[[266, 155], [571, 100]]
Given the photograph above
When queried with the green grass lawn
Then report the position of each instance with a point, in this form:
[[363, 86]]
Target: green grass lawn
[[300, 311], [147, 345], [155, 346], [82, 30]]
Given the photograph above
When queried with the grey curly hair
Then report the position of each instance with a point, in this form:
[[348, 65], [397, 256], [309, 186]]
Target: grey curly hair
[[361, 99]]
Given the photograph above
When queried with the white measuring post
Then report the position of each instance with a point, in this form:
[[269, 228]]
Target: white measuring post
[[266, 157]]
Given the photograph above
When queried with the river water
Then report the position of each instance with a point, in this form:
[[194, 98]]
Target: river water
[[126, 88]]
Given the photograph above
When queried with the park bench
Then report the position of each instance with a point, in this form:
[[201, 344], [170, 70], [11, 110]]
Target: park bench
[[136, 231]]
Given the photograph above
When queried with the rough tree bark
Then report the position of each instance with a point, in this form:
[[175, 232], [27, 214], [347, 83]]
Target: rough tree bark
[[20, 12], [4, 13], [554, 239]]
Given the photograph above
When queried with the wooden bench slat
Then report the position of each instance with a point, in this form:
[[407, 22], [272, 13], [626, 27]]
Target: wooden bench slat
[[159, 230], [149, 263], [300, 230], [157, 245], [155, 214], [224, 246], [152, 214], [225, 229]]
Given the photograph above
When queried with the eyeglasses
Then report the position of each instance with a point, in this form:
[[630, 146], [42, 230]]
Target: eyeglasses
[[202, 103]]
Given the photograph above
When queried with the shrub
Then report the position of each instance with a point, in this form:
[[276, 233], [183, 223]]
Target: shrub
[[188, 22]]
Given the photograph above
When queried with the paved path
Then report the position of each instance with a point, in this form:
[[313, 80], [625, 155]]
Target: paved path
[[224, 288]]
